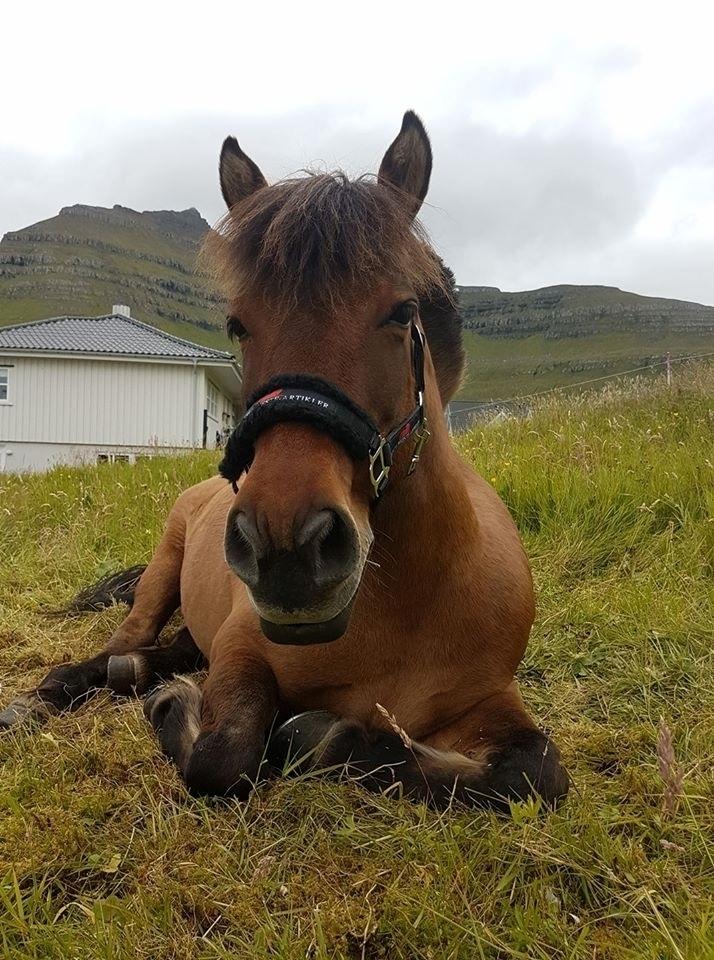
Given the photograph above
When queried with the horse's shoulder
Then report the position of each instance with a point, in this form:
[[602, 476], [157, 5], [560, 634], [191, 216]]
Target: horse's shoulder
[[487, 504]]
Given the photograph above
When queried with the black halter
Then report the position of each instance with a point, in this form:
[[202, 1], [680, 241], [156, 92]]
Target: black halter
[[302, 398]]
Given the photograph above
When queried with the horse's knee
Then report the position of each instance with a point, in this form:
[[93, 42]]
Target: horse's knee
[[321, 742], [224, 763], [528, 764]]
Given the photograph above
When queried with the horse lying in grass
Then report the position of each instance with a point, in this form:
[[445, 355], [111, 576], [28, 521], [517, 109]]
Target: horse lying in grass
[[349, 570]]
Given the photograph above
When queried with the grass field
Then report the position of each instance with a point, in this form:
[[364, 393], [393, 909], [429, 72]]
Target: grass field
[[102, 855], [499, 368]]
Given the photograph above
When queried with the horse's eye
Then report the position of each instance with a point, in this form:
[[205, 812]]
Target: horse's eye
[[235, 328], [404, 314]]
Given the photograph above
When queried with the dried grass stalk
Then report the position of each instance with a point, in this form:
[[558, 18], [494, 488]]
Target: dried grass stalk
[[392, 721], [669, 770]]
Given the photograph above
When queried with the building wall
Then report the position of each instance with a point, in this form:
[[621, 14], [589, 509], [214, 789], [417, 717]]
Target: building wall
[[70, 410], [38, 457], [98, 401], [220, 416]]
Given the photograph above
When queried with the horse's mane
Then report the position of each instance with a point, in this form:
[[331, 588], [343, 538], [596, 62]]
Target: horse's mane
[[318, 242], [443, 326]]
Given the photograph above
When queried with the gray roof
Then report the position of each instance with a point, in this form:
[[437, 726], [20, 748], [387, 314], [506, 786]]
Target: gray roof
[[111, 334]]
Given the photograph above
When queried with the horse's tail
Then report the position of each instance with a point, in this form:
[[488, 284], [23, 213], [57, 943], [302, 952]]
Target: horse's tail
[[118, 587]]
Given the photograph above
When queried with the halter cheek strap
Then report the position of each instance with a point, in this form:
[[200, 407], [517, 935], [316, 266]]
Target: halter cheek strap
[[299, 398]]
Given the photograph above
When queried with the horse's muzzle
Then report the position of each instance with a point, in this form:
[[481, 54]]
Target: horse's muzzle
[[302, 589]]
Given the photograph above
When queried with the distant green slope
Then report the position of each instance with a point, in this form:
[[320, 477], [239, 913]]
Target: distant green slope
[[87, 258], [520, 343]]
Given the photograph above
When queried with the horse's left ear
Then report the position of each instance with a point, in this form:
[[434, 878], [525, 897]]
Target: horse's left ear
[[240, 176], [407, 163]]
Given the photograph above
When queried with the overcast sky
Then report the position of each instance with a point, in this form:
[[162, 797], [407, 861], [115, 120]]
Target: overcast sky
[[573, 142]]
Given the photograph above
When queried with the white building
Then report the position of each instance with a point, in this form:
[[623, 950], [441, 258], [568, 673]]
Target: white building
[[92, 389]]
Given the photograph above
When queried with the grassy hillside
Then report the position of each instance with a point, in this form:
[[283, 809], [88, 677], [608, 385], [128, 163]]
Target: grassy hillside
[[499, 368], [521, 343], [102, 855], [572, 310], [87, 258]]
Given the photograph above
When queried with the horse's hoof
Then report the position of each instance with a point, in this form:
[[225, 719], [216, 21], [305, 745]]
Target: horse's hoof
[[26, 709], [295, 740], [125, 674]]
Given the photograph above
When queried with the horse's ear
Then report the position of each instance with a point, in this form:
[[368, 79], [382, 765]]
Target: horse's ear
[[407, 163], [239, 175]]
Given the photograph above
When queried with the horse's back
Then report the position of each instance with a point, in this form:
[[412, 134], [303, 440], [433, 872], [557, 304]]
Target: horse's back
[[207, 586], [190, 503]]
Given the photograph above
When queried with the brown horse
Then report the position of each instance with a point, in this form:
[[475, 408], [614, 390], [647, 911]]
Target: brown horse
[[332, 576]]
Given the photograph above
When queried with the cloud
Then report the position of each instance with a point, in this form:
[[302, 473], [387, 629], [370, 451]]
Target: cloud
[[524, 197], [573, 143], [515, 208]]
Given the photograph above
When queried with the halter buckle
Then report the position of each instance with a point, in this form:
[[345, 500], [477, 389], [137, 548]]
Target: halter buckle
[[380, 463], [422, 436]]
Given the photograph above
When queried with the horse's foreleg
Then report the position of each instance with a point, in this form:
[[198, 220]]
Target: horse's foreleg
[[491, 756], [156, 598], [137, 672], [157, 595], [126, 674], [217, 738]]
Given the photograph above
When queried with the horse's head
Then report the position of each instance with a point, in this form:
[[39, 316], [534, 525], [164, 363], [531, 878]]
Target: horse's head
[[324, 277]]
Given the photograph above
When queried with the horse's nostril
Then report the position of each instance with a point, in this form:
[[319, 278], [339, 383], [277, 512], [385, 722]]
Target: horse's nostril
[[242, 545], [329, 543], [322, 553], [316, 528]]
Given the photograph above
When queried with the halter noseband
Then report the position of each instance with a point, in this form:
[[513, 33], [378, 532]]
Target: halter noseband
[[301, 398]]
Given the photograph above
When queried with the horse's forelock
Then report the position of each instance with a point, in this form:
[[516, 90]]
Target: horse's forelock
[[319, 241]]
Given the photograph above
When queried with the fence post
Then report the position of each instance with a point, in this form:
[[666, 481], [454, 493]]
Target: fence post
[[668, 368]]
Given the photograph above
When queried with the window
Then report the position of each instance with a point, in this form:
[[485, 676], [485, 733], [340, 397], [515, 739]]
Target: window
[[4, 384], [212, 401], [111, 457]]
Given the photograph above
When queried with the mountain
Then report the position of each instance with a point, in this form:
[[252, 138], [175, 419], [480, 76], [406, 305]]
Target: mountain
[[86, 259], [520, 343], [575, 311]]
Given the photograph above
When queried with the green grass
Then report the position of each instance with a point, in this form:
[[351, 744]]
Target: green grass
[[499, 368], [102, 854]]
